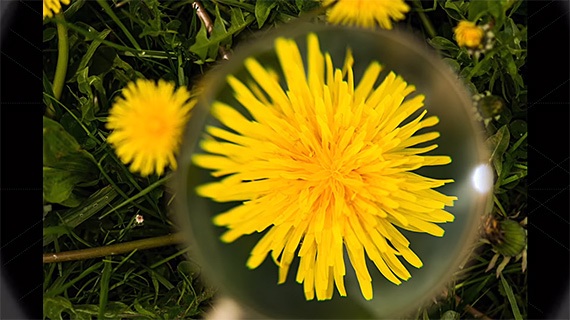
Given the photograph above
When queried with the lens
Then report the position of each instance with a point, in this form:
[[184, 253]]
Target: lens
[[460, 138]]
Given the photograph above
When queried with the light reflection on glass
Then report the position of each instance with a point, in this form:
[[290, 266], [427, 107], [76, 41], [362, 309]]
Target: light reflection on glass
[[482, 178]]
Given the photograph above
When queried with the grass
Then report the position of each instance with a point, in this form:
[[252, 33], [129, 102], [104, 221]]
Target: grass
[[91, 199]]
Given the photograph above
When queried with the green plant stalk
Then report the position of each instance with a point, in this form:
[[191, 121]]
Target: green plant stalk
[[114, 249], [425, 20], [62, 60]]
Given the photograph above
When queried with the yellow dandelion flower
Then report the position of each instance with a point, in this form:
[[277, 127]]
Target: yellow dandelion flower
[[52, 7], [468, 34], [324, 165], [148, 124], [365, 13]]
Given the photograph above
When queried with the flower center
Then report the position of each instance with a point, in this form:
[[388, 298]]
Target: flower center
[[333, 171], [156, 127]]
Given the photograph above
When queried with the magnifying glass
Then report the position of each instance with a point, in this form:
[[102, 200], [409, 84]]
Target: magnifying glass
[[311, 153]]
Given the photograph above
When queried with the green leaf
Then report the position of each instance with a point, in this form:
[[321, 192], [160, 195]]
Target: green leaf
[[76, 216], [90, 52], [104, 287], [188, 268], [496, 8], [516, 5], [262, 10], [498, 144], [86, 311], [512, 70], [53, 307], [306, 5], [507, 165], [238, 21], [49, 33], [87, 104], [115, 308], [65, 163], [452, 9], [58, 184], [130, 73], [465, 72], [442, 43], [140, 309], [57, 142], [453, 64], [482, 67], [511, 298], [450, 315], [173, 25], [205, 47], [477, 8], [72, 8], [518, 128]]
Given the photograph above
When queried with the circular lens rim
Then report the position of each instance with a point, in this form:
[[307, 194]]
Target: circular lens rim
[[264, 43]]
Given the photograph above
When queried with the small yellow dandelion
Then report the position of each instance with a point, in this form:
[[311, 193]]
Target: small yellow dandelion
[[324, 166], [52, 7], [365, 13], [468, 34], [148, 124]]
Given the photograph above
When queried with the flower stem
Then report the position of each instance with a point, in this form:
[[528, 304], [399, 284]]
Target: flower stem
[[425, 20], [62, 59], [114, 249]]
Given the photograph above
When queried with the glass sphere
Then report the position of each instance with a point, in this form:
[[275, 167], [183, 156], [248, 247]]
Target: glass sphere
[[257, 290]]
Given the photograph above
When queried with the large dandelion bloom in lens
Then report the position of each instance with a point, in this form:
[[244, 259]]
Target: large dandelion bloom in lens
[[148, 124], [324, 166], [365, 13], [52, 7]]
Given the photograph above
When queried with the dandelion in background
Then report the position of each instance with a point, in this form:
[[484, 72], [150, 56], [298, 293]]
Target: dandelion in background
[[477, 39], [366, 13], [468, 34], [148, 124], [52, 7], [324, 165]]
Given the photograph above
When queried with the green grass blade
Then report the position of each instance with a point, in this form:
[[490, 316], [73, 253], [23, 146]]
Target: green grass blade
[[138, 195], [61, 289], [169, 258], [113, 16], [511, 297], [104, 291], [124, 260], [124, 195]]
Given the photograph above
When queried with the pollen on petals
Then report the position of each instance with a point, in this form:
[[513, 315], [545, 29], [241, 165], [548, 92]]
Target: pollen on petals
[[324, 165]]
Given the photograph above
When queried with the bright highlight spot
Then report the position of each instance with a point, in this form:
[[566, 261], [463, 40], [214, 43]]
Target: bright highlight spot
[[482, 178]]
